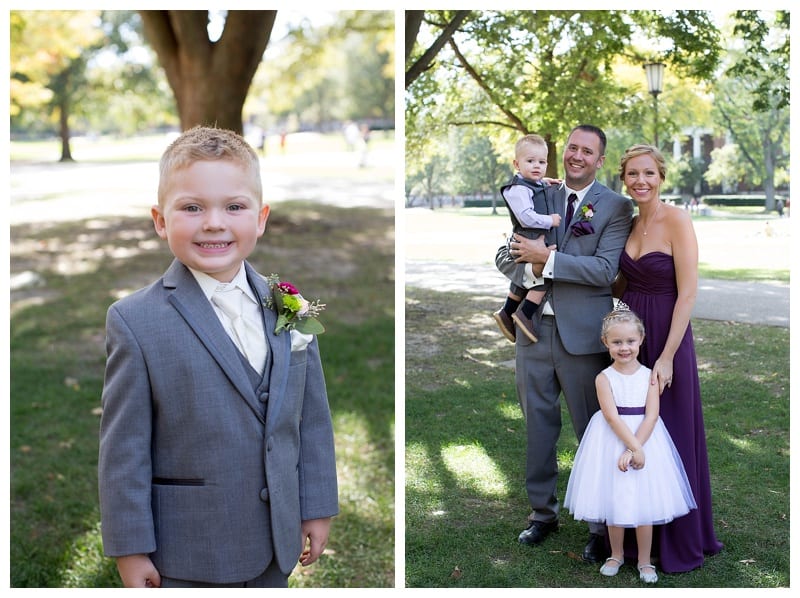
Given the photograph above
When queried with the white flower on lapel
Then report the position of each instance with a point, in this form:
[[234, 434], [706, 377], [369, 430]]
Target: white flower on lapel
[[299, 340]]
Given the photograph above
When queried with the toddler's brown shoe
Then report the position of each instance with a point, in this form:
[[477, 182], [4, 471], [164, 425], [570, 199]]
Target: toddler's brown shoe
[[505, 324], [527, 325]]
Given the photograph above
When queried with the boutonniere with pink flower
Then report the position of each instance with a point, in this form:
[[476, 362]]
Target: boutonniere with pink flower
[[584, 225], [294, 311]]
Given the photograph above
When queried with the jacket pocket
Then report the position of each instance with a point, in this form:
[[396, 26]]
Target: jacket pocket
[[179, 481]]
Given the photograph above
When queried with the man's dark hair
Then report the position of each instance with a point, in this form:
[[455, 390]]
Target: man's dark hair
[[597, 131]]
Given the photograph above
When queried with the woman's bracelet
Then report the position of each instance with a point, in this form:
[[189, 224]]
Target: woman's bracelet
[[632, 452]]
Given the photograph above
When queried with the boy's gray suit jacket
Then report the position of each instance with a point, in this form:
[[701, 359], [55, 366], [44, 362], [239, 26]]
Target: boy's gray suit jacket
[[192, 471]]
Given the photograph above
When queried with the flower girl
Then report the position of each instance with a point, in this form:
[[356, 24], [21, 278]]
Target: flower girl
[[611, 481]]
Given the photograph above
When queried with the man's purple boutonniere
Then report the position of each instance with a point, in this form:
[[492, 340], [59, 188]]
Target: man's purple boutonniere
[[294, 312], [584, 225]]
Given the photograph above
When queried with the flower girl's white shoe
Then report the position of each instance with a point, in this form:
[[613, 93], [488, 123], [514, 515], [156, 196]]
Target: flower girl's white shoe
[[611, 567], [647, 573]]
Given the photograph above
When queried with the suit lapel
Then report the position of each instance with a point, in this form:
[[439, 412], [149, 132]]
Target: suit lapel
[[590, 197], [188, 299], [280, 348]]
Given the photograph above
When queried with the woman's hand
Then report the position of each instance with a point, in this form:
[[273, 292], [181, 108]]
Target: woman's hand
[[661, 374]]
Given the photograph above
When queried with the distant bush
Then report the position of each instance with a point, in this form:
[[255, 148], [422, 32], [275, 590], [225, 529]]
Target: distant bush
[[479, 203], [736, 200]]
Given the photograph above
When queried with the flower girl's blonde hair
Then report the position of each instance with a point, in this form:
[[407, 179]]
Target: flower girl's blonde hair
[[622, 313]]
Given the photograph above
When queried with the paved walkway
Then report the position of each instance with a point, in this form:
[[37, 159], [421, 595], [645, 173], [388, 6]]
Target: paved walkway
[[61, 192], [747, 302]]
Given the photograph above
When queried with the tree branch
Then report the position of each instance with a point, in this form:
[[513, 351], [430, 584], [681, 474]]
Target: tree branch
[[732, 128], [413, 23], [424, 62], [495, 123], [517, 122]]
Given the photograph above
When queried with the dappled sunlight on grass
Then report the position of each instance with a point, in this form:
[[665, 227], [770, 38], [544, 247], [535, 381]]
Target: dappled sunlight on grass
[[81, 254], [741, 443], [420, 471], [755, 574], [479, 351], [765, 448], [510, 411], [498, 351], [475, 469], [566, 458], [85, 563], [360, 465]]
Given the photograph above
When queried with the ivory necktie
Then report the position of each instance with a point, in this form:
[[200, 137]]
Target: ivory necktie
[[571, 207], [248, 338]]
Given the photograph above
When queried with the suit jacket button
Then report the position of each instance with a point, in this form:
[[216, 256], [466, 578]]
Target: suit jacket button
[[269, 443], [264, 494], [263, 397]]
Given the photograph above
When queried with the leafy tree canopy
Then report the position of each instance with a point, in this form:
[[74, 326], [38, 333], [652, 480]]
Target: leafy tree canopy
[[545, 71], [321, 73], [44, 44]]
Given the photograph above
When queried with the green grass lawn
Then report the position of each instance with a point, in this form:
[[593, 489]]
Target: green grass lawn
[[57, 359], [465, 457]]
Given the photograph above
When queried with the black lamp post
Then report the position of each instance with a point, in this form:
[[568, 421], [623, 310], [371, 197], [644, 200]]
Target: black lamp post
[[655, 85]]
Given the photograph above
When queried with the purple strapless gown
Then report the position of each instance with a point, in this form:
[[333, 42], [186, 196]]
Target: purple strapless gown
[[651, 292]]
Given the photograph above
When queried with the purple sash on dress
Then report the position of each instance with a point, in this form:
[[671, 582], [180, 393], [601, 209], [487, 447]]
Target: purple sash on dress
[[630, 410]]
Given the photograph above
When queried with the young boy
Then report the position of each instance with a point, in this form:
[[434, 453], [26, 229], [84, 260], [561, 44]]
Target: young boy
[[527, 206], [216, 463]]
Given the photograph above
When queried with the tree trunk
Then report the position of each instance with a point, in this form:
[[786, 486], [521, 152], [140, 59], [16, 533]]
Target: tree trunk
[[63, 129], [552, 159], [210, 80], [769, 172]]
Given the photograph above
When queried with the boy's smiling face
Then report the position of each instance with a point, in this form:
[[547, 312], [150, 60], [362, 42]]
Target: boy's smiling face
[[211, 217]]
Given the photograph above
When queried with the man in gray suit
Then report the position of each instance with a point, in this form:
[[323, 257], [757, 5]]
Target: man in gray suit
[[568, 355], [216, 462]]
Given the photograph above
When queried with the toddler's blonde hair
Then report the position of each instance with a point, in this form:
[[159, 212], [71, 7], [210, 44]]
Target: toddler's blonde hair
[[530, 139]]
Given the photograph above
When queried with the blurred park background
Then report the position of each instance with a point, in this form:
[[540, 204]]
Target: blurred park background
[[96, 96]]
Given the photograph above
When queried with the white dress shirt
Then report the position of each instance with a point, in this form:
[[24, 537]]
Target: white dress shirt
[[251, 306]]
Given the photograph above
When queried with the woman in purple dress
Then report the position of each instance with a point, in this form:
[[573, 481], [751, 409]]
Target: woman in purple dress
[[658, 280]]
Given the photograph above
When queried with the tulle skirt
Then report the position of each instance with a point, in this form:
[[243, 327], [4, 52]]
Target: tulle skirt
[[598, 491]]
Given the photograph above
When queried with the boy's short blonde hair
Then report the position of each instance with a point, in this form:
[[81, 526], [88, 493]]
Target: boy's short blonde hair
[[207, 143], [530, 139]]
